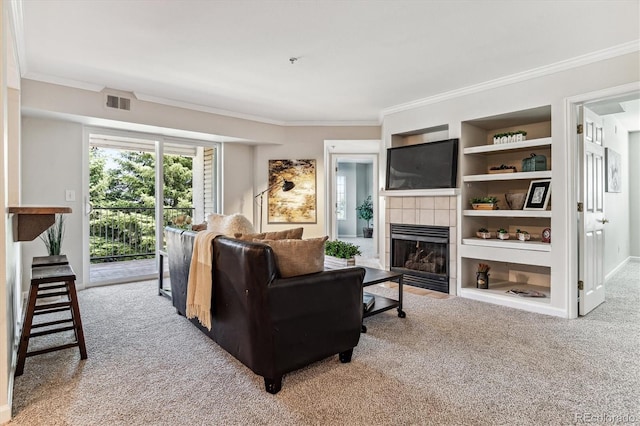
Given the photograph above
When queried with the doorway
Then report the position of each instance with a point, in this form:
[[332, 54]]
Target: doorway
[[352, 182], [616, 112]]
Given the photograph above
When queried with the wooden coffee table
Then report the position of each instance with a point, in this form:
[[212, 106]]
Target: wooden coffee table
[[377, 276]]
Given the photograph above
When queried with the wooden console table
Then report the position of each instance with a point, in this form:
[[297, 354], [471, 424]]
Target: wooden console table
[[31, 221]]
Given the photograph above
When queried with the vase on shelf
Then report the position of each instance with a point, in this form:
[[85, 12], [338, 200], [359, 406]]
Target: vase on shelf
[[482, 280]]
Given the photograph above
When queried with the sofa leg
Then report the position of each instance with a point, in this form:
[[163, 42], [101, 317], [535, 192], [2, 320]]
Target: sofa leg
[[273, 385], [345, 356]]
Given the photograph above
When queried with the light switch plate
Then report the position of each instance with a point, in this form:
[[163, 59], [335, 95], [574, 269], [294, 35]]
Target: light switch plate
[[70, 195]]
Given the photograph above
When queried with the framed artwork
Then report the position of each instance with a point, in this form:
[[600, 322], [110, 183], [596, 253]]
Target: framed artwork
[[298, 203], [538, 195], [614, 174]]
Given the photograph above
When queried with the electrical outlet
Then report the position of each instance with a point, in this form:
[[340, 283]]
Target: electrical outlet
[[70, 195]]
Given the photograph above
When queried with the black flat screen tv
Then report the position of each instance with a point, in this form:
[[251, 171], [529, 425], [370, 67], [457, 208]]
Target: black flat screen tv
[[429, 165]]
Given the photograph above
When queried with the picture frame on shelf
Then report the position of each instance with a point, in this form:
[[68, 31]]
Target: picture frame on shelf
[[538, 195]]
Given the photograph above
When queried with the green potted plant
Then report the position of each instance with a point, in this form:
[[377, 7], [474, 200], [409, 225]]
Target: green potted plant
[[365, 212], [503, 234], [339, 254], [52, 237], [483, 233], [484, 203], [523, 235]]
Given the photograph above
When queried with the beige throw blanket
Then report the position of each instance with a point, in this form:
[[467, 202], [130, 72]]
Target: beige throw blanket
[[200, 285]]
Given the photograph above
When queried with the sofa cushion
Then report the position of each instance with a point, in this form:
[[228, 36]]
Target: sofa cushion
[[229, 224], [286, 234], [298, 257]]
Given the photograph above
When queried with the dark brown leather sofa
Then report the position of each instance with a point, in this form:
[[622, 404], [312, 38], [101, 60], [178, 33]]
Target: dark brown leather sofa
[[272, 325]]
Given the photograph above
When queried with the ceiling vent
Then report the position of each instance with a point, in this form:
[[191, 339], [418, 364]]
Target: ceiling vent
[[117, 102]]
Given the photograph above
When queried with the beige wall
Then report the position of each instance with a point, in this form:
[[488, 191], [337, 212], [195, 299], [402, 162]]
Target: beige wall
[[305, 143]]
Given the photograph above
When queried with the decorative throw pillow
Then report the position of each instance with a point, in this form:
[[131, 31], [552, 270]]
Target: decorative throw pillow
[[229, 224], [287, 234], [199, 227], [298, 257]]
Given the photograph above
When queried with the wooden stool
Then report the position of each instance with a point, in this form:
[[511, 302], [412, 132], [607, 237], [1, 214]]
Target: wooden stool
[[59, 259], [50, 281]]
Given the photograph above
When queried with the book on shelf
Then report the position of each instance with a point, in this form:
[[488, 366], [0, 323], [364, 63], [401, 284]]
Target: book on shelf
[[526, 293], [368, 300]]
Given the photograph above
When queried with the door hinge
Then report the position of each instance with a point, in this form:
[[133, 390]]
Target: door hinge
[[580, 129], [580, 207], [580, 285]]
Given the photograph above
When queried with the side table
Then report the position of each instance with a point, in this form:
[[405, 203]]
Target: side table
[[376, 276]]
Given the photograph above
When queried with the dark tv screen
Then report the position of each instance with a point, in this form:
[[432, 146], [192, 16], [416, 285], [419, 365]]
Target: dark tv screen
[[428, 165]]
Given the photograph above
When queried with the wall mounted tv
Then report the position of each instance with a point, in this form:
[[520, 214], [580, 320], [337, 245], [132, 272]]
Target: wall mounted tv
[[428, 165]]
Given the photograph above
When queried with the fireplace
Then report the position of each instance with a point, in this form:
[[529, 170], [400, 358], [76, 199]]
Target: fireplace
[[421, 253]]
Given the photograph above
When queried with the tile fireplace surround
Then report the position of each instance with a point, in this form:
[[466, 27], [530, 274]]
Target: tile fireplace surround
[[423, 208]]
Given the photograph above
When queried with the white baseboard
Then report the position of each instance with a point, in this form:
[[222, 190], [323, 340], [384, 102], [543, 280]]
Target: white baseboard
[[5, 412], [634, 259], [617, 268]]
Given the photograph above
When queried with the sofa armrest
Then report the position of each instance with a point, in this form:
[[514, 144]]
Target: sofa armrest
[[316, 315]]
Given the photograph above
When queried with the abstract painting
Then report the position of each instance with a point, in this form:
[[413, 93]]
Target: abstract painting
[[298, 204]]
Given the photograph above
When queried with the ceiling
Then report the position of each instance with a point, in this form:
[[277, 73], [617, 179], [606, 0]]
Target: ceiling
[[299, 62]]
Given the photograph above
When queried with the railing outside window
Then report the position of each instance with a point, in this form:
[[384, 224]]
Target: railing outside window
[[127, 233]]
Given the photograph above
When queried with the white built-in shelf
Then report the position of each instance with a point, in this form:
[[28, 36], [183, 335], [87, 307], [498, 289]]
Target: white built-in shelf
[[508, 176], [525, 253], [440, 192], [511, 147], [508, 213], [508, 244], [497, 292]]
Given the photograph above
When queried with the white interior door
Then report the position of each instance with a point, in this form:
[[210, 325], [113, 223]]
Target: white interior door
[[591, 220]]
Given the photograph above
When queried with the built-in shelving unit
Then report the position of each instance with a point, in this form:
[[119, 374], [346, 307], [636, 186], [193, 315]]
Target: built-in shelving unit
[[514, 264]]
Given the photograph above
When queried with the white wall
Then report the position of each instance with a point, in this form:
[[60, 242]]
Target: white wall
[[52, 163], [634, 193], [537, 91], [9, 195], [237, 179], [347, 227], [616, 232]]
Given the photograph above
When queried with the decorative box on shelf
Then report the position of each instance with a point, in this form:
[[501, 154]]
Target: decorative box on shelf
[[534, 163], [502, 169], [510, 137]]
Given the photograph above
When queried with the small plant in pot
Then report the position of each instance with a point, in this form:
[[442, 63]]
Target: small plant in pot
[[484, 203], [483, 233], [503, 234], [365, 212], [340, 254], [523, 235], [52, 237]]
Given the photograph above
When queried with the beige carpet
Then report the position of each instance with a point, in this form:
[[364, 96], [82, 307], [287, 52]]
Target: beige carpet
[[449, 362]]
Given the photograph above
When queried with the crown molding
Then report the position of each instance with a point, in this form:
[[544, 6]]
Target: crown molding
[[578, 61], [46, 78], [352, 123], [196, 107]]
